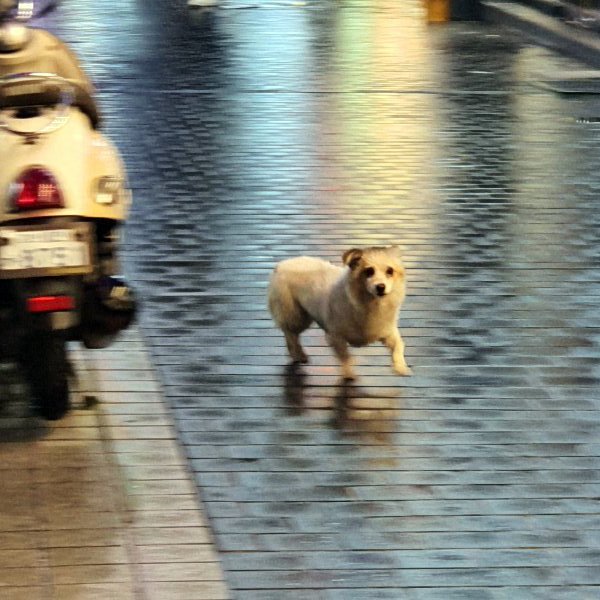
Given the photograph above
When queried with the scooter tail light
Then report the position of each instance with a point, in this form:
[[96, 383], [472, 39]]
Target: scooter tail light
[[36, 189], [46, 304]]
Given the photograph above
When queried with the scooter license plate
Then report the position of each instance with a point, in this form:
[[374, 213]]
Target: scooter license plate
[[41, 251]]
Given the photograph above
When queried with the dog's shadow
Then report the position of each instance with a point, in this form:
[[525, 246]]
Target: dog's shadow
[[359, 412], [294, 378], [354, 409]]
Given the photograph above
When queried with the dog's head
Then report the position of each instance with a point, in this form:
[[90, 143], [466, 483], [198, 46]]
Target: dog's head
[[378, 270]]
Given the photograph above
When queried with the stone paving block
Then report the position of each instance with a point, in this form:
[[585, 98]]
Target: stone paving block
[[181, 571], [143, 386], [90, 555], [165, 518], [125, 360], [428, 593], [146, 536], [88, 474], [20, 539], [67, 453], [158, 487], [61, 539], [11, 559], [24, 593], [187, 590], [140, 432], [76, 419], [91, 574], [147, 459], [73, 433], [177, 475], [133, 421], [91, 591], [15, 520], [147, 400], [121, 410], [72, 518], [147, 447], [181, 553], [310, 592], [161, 502], [17, 576]]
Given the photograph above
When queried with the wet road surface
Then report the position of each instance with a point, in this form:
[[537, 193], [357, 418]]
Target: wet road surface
[[255, 135]]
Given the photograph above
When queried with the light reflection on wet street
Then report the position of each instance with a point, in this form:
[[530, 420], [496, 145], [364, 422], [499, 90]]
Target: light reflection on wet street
[[255, 135]]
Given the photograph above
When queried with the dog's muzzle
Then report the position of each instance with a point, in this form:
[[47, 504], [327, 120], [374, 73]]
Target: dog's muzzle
[[380, 289]]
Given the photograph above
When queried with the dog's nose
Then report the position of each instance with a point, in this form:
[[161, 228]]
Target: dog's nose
[[380, 287]]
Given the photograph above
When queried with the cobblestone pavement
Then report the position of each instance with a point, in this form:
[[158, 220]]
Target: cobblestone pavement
[[254, 135]]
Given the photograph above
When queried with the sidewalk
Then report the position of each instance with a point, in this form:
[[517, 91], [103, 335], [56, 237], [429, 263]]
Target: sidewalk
[[101, 505]]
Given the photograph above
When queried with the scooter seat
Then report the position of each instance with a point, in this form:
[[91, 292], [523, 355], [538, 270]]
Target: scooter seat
[[38, 95]]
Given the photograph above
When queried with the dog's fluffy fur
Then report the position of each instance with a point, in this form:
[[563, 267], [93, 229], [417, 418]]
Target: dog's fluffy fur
[[356, 305]]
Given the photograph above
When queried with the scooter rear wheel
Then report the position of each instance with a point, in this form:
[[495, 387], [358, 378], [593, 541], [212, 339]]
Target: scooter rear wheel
[[47, 370]]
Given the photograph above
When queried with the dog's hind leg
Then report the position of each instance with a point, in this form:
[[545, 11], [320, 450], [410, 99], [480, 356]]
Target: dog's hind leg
[[294, 347], [291, 318]]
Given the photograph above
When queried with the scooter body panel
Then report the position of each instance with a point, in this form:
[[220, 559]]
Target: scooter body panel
[[79, 158]]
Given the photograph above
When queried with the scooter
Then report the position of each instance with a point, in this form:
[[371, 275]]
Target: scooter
[[63, 196]]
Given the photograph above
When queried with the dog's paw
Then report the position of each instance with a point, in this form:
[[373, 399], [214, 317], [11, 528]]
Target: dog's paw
[[348, 374], [301, 359], [403, 370]]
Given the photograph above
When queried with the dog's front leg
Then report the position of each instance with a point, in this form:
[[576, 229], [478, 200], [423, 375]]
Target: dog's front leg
[[396, 345], [340, 347]]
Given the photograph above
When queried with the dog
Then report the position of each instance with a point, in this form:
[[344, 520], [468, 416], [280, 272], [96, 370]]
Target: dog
[[355, 305]]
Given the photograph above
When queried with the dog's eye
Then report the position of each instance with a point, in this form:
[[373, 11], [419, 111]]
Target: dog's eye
[[369, 272], [389, 272]]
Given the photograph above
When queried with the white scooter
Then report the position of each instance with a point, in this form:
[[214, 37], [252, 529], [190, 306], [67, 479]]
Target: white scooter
[[63, 194]]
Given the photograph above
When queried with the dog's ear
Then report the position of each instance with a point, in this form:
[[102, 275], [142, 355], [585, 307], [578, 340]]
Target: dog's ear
[[394, 251], [352, 257]]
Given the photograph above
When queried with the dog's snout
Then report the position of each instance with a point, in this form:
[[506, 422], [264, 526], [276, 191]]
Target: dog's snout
[[380, 287]]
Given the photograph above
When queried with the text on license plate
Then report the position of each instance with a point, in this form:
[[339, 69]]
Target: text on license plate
[[42, 249]]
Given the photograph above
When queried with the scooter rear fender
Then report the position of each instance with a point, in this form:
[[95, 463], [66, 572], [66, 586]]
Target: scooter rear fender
[[80, 158]]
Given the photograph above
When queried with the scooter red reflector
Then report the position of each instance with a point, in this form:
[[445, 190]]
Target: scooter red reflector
[[44, 304], [37, 189]]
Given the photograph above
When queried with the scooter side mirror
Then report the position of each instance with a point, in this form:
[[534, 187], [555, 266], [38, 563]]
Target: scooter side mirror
[[13, 36]]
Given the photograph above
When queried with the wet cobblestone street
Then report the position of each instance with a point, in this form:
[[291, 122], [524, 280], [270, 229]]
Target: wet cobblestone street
[[255, 135]]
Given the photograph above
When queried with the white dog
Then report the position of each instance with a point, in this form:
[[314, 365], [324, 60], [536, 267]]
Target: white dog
[[355, 305]]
